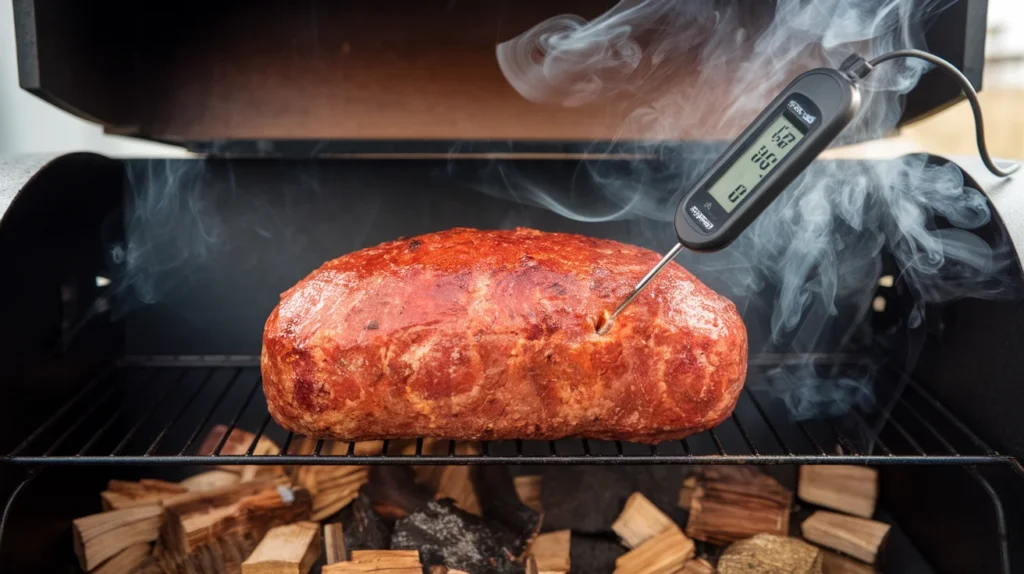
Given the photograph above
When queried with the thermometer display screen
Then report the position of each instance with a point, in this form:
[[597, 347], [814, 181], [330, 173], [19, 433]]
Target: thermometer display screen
[[755, 162]]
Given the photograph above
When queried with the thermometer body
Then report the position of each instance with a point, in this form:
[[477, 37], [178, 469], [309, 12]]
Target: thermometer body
[[784, 139], [776, 148]]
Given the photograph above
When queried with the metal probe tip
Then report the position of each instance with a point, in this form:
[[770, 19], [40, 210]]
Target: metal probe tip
[[604, 326]]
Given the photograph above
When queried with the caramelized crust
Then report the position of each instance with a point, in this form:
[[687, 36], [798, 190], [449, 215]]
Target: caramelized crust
[[481, 335]]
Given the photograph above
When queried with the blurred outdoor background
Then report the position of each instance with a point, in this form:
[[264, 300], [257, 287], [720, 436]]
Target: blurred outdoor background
[[951, 132], [28, 124]]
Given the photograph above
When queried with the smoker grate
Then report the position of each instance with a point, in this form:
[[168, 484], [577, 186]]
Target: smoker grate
[[157, 410]]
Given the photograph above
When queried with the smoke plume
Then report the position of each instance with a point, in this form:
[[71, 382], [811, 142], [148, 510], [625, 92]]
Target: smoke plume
[[821, 244]]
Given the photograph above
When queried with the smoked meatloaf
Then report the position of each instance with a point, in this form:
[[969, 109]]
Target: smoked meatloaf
[[469, 335]]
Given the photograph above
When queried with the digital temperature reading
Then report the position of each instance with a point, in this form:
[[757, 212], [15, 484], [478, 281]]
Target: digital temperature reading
[[754, 163]]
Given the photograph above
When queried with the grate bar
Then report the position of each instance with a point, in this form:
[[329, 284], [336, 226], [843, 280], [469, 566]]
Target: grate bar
[[768, 421], [718, 443], [743, 432], [184, 408], [287, 443], [871, 432], [149, 413], [814, 443], [78, 422], [88, 388], [238, 415], [937, 405], [209, 413], [293, 459], [857, 435], [259, 433], [843, 441], [910, 440], [930, 428], [139, 390]]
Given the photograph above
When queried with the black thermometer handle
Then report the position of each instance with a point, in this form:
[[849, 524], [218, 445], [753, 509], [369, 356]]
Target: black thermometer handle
[[806, 117]]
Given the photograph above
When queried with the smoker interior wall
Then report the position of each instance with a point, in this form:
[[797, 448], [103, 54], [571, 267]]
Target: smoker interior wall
[[207, 265], [194, 72], [51, 246]]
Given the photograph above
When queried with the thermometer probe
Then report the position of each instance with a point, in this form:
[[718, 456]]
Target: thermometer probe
[[772, 151]]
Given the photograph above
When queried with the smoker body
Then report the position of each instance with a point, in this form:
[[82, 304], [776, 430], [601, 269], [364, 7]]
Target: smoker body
[[203, 328], [136, 289]]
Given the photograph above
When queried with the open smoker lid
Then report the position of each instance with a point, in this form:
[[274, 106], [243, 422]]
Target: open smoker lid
[[420, 77]]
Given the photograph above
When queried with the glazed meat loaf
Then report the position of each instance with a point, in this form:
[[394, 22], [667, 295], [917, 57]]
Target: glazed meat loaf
[[473, 335]]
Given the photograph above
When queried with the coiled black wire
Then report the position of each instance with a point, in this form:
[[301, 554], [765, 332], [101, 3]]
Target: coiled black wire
[[968, 89]]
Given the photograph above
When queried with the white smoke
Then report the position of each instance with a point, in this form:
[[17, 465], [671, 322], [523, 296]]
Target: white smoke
[[171, 227], [701, 70]]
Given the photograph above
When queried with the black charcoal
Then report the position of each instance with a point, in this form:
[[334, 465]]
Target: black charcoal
[[364, 529], [587, 499], [446, 535]]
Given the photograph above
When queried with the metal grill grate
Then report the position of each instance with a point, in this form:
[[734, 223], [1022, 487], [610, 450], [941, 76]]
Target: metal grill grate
[[157, 410]]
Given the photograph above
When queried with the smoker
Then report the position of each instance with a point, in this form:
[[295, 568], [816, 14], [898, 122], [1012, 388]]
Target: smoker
[[134, 290]]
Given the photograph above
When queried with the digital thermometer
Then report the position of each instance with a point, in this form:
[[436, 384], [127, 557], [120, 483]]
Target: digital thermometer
[[784, 139]]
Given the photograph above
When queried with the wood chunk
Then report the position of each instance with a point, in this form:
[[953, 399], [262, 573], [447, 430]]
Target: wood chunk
[[551, 551], [316, 478], [857, 537], [334, 543], [697, 566], [738, 506], [836, 563], [665, 553], [380, 561], [333, 487], [531, 565], [238, 443], [224, 555], [640, 521], [326, 505], [528, 488], [195, 519], [121, 494], [100, 536], [686, 492], [125, 560], [405, 557], [288, 549], [210, 480], [770, 554], [849, 489], [307, 446]]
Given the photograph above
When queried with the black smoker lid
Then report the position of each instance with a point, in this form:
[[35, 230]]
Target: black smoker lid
[[327, 78]]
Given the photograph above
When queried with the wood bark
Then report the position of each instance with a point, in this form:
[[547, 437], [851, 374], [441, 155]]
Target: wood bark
[[99, 537], [730, 507]]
